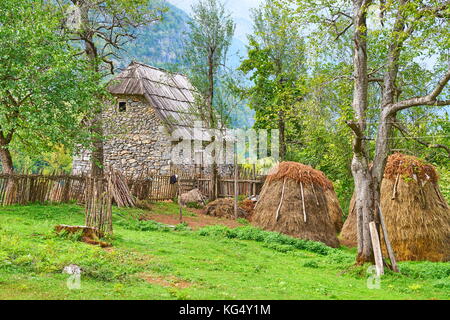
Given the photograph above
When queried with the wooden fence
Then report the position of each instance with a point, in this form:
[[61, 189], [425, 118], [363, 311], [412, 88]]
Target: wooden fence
[[30, 188]]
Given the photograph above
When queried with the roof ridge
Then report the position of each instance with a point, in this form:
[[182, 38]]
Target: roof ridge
[[156, 68]]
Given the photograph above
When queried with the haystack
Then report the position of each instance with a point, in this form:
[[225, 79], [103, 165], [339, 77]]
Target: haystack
[[299, 201], [193, 196], [416, 215], [224, 208]]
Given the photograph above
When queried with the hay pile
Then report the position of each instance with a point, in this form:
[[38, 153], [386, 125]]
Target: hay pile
[[249, 206], [416, 214], [299, 201], [348, 236], [193, 196], [224, 208]]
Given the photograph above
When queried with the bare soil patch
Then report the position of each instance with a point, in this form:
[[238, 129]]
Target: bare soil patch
[[195, 222], [169, 281]]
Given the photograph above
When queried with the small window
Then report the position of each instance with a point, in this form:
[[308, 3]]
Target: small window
[[122, 106]]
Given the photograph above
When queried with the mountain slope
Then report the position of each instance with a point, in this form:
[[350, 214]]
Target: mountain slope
[[161, 44]]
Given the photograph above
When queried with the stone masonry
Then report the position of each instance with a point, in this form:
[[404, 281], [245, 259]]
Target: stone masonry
[[135, 143]]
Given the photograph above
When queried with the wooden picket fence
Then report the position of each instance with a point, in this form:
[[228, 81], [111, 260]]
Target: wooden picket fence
[[60, 188], [30, 188]]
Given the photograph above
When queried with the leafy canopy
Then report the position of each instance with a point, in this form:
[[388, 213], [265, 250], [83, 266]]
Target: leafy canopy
[[45, 89]]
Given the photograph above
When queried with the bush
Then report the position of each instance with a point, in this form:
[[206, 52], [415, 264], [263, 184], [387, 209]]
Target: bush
[[182, 227], [311, 264], [278, 247], [442, 284], [255, 234], [340, 257], [142, 225], [425, 269], [194, 205], [243, 221]]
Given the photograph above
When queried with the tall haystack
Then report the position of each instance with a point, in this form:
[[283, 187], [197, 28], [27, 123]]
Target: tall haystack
[[416, 215], [299, 201]]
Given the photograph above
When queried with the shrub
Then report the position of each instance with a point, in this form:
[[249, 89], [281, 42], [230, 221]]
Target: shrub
[[243, 221], [194, 205], [278, 247], [182, 227], [425, 269], [311, 264], [142, 225], [442, 284], [255, 234]]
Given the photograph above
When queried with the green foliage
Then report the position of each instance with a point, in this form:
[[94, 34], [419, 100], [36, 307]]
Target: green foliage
[[57, 160], [209, 38], [311, 264], [216, 267], [276, 67], [182, 227], [444, 181], [194, 205], [243, 221], [142, 225], [160, 44], [44, 88], [53, 253], [255, 234], [425, 270]]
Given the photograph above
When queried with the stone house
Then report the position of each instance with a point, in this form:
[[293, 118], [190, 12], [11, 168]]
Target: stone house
[[150, 103]]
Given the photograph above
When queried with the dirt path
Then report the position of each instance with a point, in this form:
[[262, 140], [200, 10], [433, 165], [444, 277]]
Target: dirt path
[[195, 222]]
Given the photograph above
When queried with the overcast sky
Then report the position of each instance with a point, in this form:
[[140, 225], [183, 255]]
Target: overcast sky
[[240, 11]]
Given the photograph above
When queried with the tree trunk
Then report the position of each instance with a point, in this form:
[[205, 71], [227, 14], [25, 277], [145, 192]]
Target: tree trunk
[[97, 156], [364, 188], [282, 134], [98, 207], [7, 165], [214, 180], [212, 123]]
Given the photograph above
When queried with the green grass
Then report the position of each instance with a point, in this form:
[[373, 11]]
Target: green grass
[[213, 263]]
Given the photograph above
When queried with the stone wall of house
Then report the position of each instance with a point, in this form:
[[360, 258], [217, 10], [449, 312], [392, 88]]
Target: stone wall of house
[[135, 143]]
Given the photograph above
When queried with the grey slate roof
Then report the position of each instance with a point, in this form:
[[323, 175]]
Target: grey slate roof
[[170, 94]]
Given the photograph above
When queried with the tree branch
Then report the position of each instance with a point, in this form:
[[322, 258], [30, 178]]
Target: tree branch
[[404, 131], [427, 100]]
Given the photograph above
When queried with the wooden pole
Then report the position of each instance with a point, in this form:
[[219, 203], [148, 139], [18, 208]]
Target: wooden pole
[[388, 242], [236, 191], [303, 202], [376, 248], [281, 201], [394, 191], [179, 202]]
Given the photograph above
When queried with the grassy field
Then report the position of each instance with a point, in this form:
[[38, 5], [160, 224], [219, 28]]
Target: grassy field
[[151, 261]]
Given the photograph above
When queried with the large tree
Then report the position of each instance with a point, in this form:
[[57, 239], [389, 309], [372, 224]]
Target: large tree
[[398, 47], [101, 28], [209, 38], [276, 65], [44, 88]]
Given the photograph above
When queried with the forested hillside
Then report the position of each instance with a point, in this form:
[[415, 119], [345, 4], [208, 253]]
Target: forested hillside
[[161, 44]]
